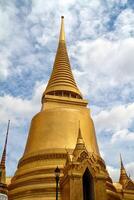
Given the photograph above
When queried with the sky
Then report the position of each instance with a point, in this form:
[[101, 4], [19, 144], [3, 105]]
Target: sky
[[100, 41]]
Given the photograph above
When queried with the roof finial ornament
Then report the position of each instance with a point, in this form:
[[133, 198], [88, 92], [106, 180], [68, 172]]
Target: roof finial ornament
[[62, 31], [80, 145], [79, 138], [122, 166]]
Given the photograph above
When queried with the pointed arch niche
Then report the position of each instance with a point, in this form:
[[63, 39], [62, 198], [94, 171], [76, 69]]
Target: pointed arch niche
[[88, 185]]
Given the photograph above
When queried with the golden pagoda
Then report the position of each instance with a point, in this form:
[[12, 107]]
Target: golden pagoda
[[62, 134]]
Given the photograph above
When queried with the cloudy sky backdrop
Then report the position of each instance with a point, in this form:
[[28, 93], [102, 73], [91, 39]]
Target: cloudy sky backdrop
[[100, 40]]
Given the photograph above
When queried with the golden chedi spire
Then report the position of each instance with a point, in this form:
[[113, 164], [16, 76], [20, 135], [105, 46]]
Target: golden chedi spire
[[124, 178], [62, 82], [3, 187], [53, 129], [61, 92]]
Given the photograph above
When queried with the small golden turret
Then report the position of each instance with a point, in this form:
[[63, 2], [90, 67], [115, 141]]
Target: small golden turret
[[3, 186], [80, 145], [125, 180], [123, 174]]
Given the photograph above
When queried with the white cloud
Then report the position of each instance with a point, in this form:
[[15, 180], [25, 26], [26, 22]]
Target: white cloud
[[114, 173], [123, 135], [114, 128], [102, 66], [88, 18], [18, 109], [124, 25], [5, 31], [4, 64], [8, 20], [118, 118], [130, 169]]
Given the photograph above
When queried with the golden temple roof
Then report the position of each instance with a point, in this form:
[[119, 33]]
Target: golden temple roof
[[123, 174], [62, 82], [125, 180]]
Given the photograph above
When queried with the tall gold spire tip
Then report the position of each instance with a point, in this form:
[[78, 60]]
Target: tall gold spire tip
[[62, 32], [121, 161]]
